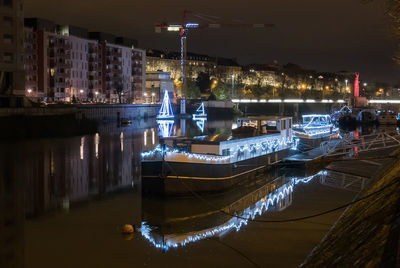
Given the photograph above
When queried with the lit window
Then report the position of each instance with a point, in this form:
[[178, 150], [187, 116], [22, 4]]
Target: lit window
[[52, 72]]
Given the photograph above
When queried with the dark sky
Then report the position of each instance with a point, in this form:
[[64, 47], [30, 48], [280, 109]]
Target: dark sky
[[326, 35]]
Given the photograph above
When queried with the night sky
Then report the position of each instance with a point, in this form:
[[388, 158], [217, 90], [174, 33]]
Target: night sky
[[325, 35]]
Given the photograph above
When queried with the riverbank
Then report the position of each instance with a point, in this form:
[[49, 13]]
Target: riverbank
[[367, 233]]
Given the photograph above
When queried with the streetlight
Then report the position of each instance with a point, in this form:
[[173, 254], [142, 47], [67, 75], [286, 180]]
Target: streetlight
[[145, 97], [233, 84], [152, 97], [29, 91]]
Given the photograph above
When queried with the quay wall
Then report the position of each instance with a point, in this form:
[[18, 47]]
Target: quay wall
[[114, 112], [96, 112]]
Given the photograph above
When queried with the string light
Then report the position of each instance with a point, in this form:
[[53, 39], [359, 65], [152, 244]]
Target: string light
[[266, 146], [166, 108], [200, 112], [315, 125], [236, 222]]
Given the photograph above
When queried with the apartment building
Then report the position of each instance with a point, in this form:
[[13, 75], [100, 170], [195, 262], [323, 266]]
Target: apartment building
[[71, 64], [11, 48], [138, 74]]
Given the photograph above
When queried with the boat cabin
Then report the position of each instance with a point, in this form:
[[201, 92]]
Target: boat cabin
[[266, 124], [273, 134], [312, 120]]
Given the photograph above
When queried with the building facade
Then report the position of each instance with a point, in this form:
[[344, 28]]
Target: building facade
[[11, 48], [156, 84], [69, 64]]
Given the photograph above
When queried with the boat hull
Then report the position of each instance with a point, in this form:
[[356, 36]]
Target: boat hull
[[184, 178]]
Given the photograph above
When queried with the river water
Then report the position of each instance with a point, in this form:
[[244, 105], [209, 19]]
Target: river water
[[64, 202]]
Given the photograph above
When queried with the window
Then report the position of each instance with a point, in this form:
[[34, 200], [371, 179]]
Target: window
[[8, 21], [8, 3], [8, 57], [7, 39]]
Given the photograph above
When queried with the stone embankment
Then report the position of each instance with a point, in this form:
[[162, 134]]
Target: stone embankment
[[367, 233]]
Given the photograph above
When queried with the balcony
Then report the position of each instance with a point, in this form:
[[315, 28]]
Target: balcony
[[117, 71], [62, 75], [63, 45], [65, 65], [114, 54], [29, 61], [30, 50], [94, 50], [114, 62], [30, 72], [60, 84], [66, 56], [113, 78]]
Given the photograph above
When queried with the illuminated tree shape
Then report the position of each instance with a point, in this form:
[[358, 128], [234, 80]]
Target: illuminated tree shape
[[356, 86], [200, 112], [165, 128], [166, 111], [200, 122]]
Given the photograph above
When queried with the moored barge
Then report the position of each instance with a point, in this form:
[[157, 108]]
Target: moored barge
[[182, 166]]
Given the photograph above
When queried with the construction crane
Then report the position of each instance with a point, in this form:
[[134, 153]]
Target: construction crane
[[187, 25]]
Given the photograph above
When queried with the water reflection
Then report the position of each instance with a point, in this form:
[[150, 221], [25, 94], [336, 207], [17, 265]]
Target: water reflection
[[201, 122], [166, 128], [175, 225]]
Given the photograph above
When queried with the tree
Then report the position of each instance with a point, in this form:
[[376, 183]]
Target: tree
[[120, 88], [203, 81], [221, 91], [192, 90]]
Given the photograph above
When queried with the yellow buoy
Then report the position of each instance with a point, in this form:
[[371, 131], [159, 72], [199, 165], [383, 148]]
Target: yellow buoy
[[128, 229]]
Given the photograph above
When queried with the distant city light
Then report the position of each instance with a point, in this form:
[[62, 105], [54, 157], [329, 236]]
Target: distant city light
[[275, 100], [384, 101], [174, 28], [192, 25], [293, 100], [310, 101]]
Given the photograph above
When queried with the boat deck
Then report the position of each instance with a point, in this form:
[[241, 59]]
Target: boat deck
[[310, 155]]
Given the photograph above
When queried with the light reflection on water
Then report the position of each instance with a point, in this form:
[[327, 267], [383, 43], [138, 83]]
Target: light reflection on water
[[274, 196], [39, 177]]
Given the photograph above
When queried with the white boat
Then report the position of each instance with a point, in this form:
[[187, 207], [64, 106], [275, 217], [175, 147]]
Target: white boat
[[200, 112], [315, 126], [386, 118], [219, 162]]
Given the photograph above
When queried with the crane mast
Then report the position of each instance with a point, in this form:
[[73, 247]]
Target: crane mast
[[184, 29]]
